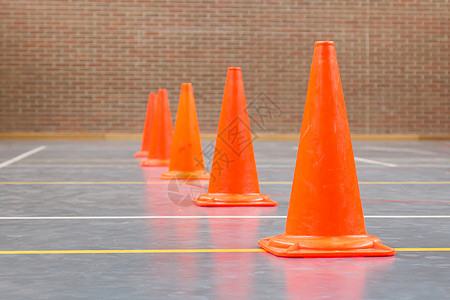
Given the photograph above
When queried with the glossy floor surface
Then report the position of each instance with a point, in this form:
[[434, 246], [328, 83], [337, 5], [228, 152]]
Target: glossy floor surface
[[78, 220]]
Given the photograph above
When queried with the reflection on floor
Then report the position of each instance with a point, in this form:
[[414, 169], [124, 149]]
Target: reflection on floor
[[92, 195]]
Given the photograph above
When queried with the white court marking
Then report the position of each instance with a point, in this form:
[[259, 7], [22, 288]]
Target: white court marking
[[401, 150], [370, 161], [21, 156], [438, 165], [375, 162], [205, 217]]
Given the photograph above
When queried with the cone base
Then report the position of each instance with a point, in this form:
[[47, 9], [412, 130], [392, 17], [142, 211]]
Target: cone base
[[216, 199], [153, 162], [197, 175], [317, 246], [141, 154]]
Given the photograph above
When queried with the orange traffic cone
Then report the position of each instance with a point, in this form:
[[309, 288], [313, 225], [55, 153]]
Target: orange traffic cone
[[186, 157], [325, 216], [151, 107], [234, 179], [162, 133]]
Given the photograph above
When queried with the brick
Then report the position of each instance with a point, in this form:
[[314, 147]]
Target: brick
[[88, 66]]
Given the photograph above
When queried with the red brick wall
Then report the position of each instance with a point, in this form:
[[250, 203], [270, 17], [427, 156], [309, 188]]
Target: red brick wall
[[87, 66]]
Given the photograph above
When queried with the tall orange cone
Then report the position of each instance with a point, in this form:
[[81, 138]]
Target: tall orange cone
[[186, 157], [151, 107], [234, 179], [325, 216], [162, 133]]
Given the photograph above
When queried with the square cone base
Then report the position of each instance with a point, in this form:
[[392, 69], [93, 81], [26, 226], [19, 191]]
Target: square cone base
[[141, 154], [311, 246], [154, 162], [219, 199], [197, 175]]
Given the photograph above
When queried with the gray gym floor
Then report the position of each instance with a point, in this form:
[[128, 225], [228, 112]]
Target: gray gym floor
[[91, 195]]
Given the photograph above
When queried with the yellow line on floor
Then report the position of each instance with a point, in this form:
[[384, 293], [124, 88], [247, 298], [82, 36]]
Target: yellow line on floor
[[171, 182], [71, 182], [404, 182], [421, 249], [130, 251], [77, 160], [143, 251], [371, 182]]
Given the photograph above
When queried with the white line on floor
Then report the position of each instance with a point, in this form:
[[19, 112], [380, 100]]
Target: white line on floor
[[402, 150], [441, 166], [21, 156], [280, 166], [369, 161], [202, 217], [408, 217], [292, 165], [375, 162]]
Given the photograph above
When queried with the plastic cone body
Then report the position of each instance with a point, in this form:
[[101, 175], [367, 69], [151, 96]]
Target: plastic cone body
[[151, 107], [186, 157], [234, 179], [162, 133], [325, 217]]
